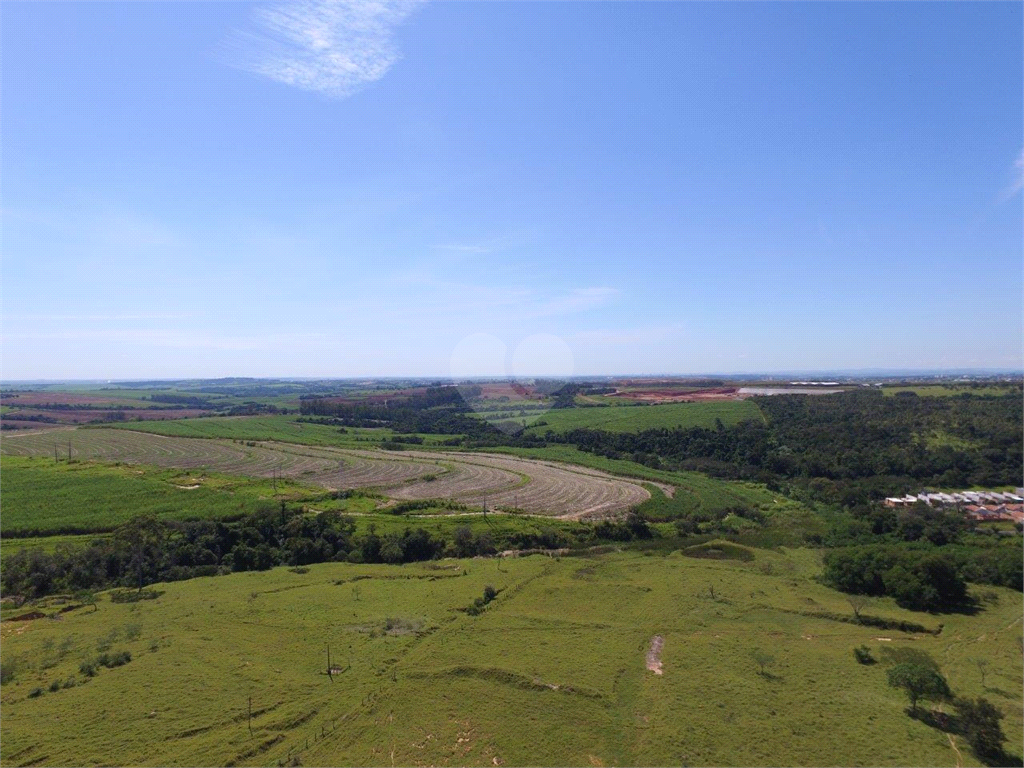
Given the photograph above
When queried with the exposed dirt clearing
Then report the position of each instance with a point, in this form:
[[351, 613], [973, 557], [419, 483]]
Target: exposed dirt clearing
[[654, 654]]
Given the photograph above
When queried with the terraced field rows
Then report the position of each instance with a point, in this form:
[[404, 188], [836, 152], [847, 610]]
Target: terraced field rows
[[497, 480], [577, 492]]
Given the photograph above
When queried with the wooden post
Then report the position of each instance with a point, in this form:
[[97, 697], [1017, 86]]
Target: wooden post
[[55, 459]]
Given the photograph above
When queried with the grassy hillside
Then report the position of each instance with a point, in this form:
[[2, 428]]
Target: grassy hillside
[[637, 418], [552, 673]]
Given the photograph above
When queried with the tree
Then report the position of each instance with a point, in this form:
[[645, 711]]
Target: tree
[[762, 659], [88, 598], [919, 682], [858, 603], [979, 722], [141, 537]]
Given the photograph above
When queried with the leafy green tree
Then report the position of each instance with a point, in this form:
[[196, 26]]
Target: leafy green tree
[[762, 659], [919, 682], [142, 538]]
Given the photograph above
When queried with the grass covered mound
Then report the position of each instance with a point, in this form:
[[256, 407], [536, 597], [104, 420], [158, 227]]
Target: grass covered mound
[[717, 549]]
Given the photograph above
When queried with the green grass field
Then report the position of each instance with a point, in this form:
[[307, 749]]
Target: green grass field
[[552, 673], [637, 418], [44, 497], [938, 390]]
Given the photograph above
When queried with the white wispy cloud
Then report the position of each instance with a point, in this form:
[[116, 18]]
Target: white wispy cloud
[[576, 300], [333, 48], [1018, 176], [631, 337], [527, 301]]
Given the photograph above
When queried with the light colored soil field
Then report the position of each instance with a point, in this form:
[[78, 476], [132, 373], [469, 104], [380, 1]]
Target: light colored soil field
[[553, 672], [574, 493]]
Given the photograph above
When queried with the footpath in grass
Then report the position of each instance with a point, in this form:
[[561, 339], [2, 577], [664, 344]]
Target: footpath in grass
[[552, 671]]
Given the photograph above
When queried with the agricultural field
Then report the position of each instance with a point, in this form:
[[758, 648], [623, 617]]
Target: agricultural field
[[640, 417], [602, 659], [939, 390], [45, 498], [693, 491], [476, 479], [284, 429]]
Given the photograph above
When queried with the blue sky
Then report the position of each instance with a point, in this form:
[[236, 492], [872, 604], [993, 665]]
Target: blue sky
[[194, 189]]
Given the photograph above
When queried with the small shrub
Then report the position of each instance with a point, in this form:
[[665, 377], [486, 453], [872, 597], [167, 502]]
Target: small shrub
[[8, 669], [87, 668], [863, 655], [55, 686], [132, 631], [114, 660], [105, 643], [35, 693], [71, 682]]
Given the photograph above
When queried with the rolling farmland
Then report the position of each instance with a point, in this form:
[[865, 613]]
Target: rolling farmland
[[476, 479]]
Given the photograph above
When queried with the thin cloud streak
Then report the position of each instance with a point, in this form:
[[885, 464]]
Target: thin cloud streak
[[332, 48]]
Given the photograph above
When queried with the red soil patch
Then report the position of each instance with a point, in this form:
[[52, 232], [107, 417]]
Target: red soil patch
[[510, 389], [28, 399], [668, 395]]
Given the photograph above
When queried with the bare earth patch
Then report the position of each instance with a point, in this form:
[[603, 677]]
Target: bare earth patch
[[654, 654]]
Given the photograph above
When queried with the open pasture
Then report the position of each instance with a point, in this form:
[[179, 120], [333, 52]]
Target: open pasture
[[553, 672], [640, 417]]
